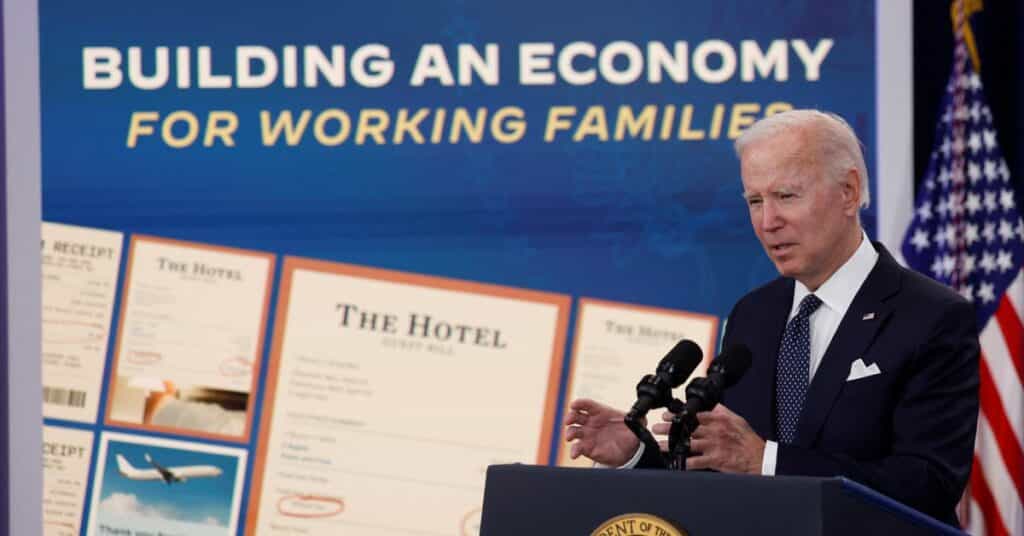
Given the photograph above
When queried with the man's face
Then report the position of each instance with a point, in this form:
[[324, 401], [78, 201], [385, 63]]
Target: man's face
[[801, 217]]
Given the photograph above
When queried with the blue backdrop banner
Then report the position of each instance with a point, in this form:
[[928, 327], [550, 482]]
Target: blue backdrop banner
[[579, 149]]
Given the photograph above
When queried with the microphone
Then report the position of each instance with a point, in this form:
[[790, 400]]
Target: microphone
[[703, 394], [724, 372], [655, 390]]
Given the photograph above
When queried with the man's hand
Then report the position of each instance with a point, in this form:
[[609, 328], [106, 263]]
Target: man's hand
[[600, 433], [723, 442]]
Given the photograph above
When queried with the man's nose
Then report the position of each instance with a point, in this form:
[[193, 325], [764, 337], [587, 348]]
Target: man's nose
[[770, 219]]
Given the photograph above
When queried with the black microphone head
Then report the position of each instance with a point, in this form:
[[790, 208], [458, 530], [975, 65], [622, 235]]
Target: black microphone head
[[680, 362], [732, 363]]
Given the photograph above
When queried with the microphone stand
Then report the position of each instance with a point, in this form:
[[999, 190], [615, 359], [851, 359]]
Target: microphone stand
[[684, 423], [634, 421]]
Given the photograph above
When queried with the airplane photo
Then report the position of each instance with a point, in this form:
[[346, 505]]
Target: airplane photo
[[169, 475]]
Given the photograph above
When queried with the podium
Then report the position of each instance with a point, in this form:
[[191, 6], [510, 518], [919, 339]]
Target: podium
[[527, 499]]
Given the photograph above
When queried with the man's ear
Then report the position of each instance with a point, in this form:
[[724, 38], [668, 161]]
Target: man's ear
[[851, 192]]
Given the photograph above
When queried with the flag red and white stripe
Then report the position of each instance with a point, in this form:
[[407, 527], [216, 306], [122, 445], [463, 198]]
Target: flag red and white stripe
[[996, 488], [967, 232]]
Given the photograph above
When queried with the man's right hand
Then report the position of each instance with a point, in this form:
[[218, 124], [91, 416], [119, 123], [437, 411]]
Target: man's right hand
[[599, 432]]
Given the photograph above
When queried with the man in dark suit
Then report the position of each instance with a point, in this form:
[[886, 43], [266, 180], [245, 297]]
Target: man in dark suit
[[861, 368]]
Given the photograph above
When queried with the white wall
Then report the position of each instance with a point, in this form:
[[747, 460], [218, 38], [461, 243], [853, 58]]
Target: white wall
[[895, 136], [24, 398]]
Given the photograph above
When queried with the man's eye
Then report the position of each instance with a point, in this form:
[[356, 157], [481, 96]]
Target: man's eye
[[785, 196], [753, 202]]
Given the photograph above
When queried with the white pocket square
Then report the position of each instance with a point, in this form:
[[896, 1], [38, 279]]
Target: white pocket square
[[859, 370]]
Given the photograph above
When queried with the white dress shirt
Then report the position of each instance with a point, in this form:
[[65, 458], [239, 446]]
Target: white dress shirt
[[836, 295]]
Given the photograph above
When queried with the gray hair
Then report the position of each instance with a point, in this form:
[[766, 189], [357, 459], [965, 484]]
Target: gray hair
[[838, 149]]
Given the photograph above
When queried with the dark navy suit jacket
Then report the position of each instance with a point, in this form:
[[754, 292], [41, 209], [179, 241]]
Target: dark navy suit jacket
[[907, 432]]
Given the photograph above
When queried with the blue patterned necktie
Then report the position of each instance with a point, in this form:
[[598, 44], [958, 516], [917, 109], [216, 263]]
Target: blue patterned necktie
[[793, 370]]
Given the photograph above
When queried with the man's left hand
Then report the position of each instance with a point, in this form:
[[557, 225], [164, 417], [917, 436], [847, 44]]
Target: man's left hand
[[723, 442]]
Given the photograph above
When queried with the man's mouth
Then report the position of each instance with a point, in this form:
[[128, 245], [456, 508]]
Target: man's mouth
[[781, 249]]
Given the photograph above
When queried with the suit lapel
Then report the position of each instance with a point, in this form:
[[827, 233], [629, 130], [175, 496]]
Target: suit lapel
[[854, 335]]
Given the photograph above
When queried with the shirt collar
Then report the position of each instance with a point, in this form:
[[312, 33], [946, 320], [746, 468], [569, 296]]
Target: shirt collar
[[838, 291]]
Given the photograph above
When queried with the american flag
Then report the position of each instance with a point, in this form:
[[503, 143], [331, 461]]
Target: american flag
[[967, 232]]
